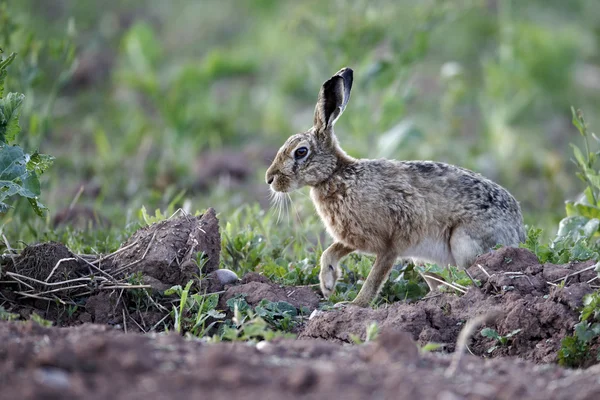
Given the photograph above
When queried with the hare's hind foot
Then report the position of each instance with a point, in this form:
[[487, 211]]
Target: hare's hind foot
[[345, 304], [341, 305]]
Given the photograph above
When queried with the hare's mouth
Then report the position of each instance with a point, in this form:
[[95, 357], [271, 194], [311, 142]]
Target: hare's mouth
[[281, 184]]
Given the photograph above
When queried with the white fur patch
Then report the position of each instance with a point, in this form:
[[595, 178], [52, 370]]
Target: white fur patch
[[431, 250]]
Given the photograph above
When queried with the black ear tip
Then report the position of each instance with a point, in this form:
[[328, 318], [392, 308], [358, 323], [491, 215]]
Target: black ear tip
[[346, 73]]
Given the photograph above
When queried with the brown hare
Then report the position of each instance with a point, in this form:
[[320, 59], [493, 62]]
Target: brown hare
[[424, 210]]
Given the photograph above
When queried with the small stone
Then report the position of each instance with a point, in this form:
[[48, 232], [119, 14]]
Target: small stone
[[226, 276]]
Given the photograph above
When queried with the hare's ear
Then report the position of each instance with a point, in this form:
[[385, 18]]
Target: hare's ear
[[333, 97]]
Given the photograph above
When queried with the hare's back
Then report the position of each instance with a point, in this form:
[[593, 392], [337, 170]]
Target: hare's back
[[441, 188], [460, 187]]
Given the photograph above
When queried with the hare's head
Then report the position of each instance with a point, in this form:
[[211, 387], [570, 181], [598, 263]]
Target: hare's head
[[309, 158]]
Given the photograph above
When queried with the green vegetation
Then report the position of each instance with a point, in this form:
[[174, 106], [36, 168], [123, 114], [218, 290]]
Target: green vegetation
[[129, 96], [133, 97], [371, 334], [575, 349], [500, 340], [19, 171]]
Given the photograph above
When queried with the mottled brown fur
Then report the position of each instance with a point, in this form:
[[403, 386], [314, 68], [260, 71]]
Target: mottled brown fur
[[424, 210]]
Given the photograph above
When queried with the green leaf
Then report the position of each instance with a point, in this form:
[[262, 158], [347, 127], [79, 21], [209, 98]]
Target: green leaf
[[570, 226], [491, 349], [577, 122], [211, 301], [173, 290], [583, 332], [39, 163], [239, 301], [9, 117], [513, 333], [593, 178], [578, 155], [215, 314], [38, 207], [3, 64], [589, 195], [41, 321], [16, 180], [490, 333], [431, 346]]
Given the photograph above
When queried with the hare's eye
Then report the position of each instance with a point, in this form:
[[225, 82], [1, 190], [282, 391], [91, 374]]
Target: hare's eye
[[300, 152]]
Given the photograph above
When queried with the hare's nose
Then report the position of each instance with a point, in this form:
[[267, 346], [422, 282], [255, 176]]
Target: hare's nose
[[270, 179]]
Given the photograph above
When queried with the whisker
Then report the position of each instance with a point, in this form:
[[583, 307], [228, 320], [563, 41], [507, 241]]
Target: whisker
[[295, 208], [287, 200]]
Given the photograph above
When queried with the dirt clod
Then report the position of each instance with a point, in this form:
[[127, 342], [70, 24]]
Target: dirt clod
[[50, 262], [255, 291], [166, 251]]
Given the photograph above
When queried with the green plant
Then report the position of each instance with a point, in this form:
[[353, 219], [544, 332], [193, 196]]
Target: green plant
[[500, 340], [576, 239], [40, 321], [372, 331], [403, 285], [247, 325], [195, 311], [19, 171], [430, 347], [566, 247], [8, 316], [575, 349], [281, 314]]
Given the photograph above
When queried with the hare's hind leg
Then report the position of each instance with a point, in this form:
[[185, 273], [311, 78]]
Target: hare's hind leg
[[379, 273], [330, 270]]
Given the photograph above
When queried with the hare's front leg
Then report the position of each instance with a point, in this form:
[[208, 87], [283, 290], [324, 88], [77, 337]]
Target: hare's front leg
[[330, 270], [379, 273]]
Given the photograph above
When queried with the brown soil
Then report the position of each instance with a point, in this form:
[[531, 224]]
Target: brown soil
[[517, 286], [101, 361], [96, 362]]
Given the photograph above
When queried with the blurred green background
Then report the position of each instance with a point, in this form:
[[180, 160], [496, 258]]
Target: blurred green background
[[184, 103]]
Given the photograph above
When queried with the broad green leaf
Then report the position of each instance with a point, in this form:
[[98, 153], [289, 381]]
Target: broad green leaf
[[9, 116], [490, 333], [591, 227], [583, 332], [12, 163], [15, 179], [31, 185], [570, 226]]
